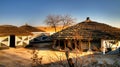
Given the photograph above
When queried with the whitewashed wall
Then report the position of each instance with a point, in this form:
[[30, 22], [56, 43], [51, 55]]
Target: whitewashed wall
[[4, 41], [21, 40], [107, 43]]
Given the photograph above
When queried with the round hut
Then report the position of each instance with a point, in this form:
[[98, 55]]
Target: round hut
[[31, 28], [12, 36], [86, 35], [36, 32]]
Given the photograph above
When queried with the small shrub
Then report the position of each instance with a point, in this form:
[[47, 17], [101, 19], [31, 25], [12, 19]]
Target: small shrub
[[36, 61]]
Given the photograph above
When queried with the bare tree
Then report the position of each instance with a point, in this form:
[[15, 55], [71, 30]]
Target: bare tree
[[59, 20], [66, 21], [53, 21]]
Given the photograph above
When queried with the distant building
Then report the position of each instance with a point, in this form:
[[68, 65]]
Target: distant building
[[12, 36]]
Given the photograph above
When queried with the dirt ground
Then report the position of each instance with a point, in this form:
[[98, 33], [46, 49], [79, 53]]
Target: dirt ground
[[21, 57]]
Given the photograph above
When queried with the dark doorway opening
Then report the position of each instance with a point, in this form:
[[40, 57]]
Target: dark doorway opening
[[12, 40]]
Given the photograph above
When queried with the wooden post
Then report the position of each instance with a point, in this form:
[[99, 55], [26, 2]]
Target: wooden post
[[119, 50], [89, 49], [69, 44], [75, 43], [64, 44], [58, 43], [80, 45], [54, 42]]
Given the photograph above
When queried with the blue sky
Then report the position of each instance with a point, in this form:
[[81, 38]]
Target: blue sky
[[34, 12]]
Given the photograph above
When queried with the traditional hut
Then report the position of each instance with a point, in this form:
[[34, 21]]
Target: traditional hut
[[12, 36], [36, 32], [85, 35]]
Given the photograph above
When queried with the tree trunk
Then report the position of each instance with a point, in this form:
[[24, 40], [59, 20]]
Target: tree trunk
[[55, 30]]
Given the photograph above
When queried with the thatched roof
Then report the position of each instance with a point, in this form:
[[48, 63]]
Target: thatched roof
[[12, 30], [88, 30], [31, 28]]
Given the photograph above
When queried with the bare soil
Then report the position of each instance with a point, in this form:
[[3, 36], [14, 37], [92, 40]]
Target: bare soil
[[21, 57]]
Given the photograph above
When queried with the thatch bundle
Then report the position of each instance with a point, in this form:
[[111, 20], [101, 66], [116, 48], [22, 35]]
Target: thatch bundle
[[6, 30]]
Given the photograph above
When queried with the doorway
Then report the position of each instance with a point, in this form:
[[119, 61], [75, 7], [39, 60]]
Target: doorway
[[12, 40]]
